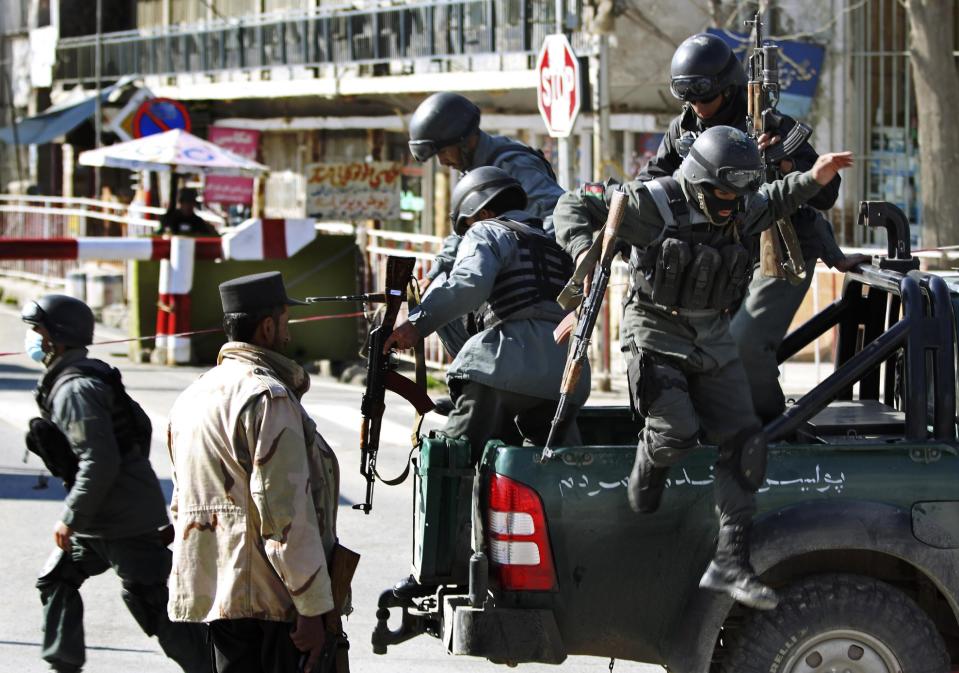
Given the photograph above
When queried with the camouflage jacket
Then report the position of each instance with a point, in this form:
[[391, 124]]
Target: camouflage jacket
[[255, 494]]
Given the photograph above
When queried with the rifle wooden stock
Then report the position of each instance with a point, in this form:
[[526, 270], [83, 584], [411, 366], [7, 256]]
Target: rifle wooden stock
[[342, 568]]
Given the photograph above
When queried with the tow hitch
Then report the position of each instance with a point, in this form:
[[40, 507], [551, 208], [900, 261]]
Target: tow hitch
[[414, 621]]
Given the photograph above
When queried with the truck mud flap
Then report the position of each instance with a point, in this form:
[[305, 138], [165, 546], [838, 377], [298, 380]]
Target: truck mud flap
[[502, 635]]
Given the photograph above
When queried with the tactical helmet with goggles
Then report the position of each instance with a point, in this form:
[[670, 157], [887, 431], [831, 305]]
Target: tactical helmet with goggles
[[68, 321], [703, 67], [441, 120], [478, 189], [723, 158]]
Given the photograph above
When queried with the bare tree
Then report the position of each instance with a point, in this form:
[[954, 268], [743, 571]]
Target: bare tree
[[936, 79]]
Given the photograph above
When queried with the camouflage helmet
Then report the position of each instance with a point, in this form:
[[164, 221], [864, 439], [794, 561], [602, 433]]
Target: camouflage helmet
[[477, 189], [441, 120], [68, 320]]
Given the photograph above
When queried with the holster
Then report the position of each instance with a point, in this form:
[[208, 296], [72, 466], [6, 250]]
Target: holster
[[45, 441], [667, 281], [698, 283]]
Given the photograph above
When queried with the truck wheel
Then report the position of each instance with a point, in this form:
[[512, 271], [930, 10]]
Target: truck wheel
[[842, 623]]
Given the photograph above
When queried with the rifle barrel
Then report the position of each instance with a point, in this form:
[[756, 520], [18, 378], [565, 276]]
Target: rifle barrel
[[374, 298]]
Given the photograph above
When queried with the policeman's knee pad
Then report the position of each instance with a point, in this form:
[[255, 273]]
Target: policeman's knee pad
[[744, 455]]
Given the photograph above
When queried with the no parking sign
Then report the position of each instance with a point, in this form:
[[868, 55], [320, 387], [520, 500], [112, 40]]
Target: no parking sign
[[158, 115]]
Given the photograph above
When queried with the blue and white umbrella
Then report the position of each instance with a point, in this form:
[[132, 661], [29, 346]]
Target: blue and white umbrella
[[176, 151]]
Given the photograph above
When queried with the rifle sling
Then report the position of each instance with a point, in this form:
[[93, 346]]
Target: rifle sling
[[401, 477]]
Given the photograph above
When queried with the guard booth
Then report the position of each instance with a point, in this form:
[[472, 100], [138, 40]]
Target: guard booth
[[328, 265]]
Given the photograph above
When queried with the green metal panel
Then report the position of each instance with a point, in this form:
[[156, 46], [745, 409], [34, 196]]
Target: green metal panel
[[443, 486], [616, 568], [327, 266]]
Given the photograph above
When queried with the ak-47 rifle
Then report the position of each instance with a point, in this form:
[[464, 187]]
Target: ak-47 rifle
[[598, 261], [780, 254], [381, 374]]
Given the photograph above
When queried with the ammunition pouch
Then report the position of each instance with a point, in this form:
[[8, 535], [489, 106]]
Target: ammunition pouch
[[699, 278], [45, 441], [702, 278], [734, 276], [666, 276]]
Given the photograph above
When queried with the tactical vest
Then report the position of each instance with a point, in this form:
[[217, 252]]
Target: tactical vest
[[692, 265], [131, 425], [542, 272]]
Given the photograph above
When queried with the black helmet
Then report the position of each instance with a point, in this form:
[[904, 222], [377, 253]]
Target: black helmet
[[704, 66], [477, 189], [441, 120], [725, 158], [68, 320]]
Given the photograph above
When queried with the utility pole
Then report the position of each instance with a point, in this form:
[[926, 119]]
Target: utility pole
[[599, 92], [98, 111], [8, 94], [600, 101], [564, 146]]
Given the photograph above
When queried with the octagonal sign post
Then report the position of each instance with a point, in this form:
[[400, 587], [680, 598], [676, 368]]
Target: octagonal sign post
[[559, 92]]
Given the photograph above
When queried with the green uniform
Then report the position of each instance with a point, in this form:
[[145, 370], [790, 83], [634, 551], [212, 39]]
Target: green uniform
[[115, 509], [686, 377]]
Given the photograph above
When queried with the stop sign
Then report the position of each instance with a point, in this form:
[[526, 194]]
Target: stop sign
[[559, 91]]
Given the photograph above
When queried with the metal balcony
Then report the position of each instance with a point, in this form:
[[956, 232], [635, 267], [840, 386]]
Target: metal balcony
[[388, 39]]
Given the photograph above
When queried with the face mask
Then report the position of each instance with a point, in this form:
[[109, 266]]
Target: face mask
[[33, 345], [711, 204]]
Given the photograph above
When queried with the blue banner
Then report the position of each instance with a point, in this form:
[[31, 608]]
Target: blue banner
[[800, 65]]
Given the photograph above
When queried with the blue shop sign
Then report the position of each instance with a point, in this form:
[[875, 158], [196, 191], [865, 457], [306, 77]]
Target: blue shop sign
[[799, 69]]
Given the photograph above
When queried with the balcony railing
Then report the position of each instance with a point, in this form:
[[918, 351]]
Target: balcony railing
[[386, 38]]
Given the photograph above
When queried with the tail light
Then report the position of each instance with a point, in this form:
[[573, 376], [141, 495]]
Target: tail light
[[518, 539]]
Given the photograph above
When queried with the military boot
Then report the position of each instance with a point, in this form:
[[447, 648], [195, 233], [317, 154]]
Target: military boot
[[731, 572], [410, 588], [646, 484]]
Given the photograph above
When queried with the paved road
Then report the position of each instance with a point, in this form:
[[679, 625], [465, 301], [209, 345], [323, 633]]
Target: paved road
[[115, 644]]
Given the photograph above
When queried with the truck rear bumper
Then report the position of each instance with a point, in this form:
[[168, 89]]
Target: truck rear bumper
[[502, 635]]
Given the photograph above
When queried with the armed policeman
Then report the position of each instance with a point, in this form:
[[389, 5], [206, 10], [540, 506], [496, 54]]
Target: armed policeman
[[688, 267], [505, 380], [447, 125], [94, 436], [711, 82]]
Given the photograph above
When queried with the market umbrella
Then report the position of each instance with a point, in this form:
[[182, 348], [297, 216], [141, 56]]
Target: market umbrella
[[176, 151]]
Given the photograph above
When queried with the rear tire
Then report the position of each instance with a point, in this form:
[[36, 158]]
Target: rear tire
[[839, 623]]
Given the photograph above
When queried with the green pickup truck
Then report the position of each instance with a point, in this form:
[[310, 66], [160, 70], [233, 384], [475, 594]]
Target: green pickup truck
[[858, 528]]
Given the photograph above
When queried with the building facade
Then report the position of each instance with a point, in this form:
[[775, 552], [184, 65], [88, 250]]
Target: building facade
[[330, 83]]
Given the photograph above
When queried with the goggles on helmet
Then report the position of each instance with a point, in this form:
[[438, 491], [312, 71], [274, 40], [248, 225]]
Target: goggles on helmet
[[694, 88], [745, 179], [423, 150], [740, 180]]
